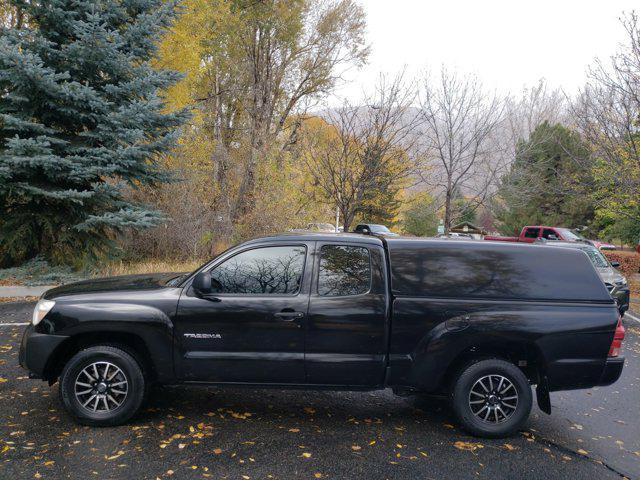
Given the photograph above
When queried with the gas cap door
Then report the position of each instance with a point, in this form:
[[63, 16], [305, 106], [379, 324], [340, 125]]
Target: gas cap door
[[458, 323]]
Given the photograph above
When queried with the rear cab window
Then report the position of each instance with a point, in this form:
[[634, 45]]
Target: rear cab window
[[344, 270], [531, 233]]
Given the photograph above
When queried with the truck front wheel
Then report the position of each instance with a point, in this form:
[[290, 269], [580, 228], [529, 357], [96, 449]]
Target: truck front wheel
[[492, 398], [102, 386]]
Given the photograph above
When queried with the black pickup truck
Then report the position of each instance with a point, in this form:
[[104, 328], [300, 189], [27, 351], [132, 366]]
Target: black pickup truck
[[479, 322]]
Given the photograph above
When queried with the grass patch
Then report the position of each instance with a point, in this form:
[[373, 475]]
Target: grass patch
[[147, 266], [18, 299], [39, 272]]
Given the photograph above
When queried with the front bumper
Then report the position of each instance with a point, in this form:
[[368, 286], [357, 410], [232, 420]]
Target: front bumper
[[612, 371], [36, 350]]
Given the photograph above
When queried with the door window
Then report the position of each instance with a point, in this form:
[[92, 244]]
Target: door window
[[261, 271], [344, 270], [549, 234], [531, 232]]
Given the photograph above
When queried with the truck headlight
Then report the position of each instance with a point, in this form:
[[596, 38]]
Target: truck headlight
[[42, 308]]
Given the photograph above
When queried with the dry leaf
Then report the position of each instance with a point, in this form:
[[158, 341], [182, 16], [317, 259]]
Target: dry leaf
[[113, 457], [468, 446]]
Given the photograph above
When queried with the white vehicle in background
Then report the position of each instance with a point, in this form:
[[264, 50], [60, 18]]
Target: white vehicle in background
[[455, 235], [320, 227]]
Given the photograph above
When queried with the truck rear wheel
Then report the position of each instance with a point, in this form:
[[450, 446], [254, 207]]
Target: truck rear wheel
[[102, 386], [492, 398]]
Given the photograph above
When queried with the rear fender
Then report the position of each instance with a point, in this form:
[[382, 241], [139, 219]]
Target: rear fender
[[568, 344]]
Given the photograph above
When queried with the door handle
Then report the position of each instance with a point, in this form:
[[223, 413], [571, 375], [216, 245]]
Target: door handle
[[288, 316]]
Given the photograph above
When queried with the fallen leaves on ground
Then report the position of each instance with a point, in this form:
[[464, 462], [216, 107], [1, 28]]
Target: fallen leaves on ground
[[113, 457], [468, 446]]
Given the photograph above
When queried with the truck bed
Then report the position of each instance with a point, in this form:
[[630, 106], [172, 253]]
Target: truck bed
[[499, 238]]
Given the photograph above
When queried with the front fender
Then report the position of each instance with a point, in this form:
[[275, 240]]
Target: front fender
[[149, 325]]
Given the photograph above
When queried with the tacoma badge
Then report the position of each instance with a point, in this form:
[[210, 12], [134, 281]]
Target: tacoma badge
[[203, 335]]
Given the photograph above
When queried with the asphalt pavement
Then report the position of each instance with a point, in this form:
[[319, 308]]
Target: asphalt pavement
[[244, 434]]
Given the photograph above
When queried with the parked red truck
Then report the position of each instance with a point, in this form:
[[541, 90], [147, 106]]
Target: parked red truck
[[531, 233]]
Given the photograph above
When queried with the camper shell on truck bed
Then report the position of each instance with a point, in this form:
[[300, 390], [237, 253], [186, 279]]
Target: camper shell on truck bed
[[453, 300], [479, 322]]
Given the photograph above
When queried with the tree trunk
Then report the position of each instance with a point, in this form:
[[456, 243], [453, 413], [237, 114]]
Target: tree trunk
[[447, 212], [347, 218]]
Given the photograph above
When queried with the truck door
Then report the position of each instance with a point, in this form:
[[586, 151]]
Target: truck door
[[252, 330], [348, 319]]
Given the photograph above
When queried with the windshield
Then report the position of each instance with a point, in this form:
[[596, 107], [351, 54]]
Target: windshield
[[596, 257], [379, 229], [175, 281], [569, 235]]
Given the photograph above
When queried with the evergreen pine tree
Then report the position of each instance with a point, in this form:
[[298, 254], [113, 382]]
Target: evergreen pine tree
[[81, 120], [546, 184]]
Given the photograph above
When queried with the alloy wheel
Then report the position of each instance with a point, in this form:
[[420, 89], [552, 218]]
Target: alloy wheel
[[101, 387], [493, 399]]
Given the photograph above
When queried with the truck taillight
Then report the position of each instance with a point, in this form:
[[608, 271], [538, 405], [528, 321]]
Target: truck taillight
[[618, 336]]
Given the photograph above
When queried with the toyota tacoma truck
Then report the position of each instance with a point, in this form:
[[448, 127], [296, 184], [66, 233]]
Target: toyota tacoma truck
[[478, 322]]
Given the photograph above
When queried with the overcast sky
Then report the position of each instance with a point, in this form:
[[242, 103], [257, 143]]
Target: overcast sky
[[509, 44]]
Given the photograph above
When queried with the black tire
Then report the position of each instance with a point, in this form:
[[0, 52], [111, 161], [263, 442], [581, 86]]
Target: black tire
[[129, 372], [505, 416]]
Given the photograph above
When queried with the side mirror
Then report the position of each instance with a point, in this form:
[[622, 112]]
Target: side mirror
[[615, 264], [202, 283]]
